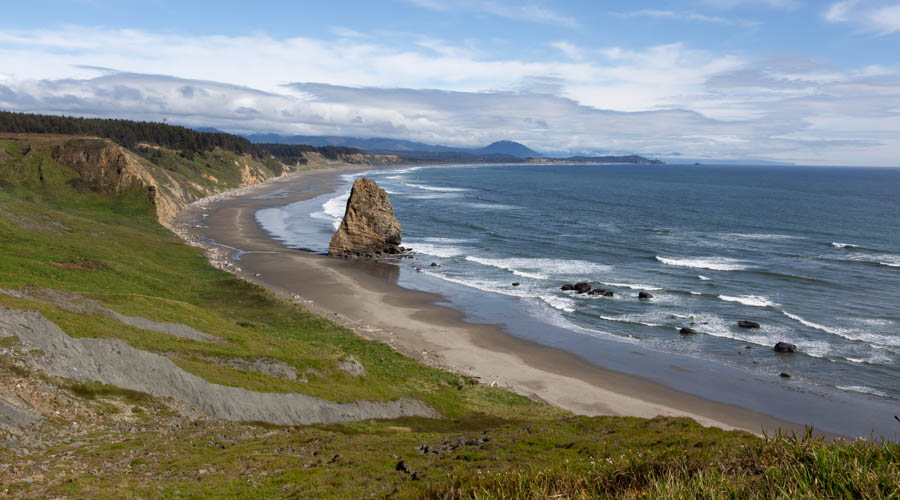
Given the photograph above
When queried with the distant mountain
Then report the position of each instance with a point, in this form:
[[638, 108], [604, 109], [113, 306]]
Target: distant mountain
[[381, 145], [508, 148]]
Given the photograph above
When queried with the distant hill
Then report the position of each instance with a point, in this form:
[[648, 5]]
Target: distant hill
[[381, 145], [509, 148]]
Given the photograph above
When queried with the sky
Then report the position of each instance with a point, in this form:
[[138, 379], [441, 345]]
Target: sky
[[803, 81]]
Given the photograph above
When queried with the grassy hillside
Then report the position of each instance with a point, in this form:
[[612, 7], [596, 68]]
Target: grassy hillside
[[62, 234]]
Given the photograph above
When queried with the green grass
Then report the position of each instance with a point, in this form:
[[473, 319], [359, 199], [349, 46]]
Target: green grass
[[63, 235]]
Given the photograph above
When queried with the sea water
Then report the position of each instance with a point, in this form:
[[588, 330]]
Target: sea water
[[810, 253]]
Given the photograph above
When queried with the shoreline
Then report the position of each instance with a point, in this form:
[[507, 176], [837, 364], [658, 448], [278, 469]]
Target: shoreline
[[360, 295]]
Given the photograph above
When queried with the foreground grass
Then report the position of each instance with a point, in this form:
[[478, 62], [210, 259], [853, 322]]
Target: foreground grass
[[60, 235]]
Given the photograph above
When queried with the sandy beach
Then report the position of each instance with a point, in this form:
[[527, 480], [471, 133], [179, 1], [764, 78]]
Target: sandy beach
[[361, 296]]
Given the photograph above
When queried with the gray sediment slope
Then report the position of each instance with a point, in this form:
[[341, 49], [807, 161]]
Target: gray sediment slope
[[112, 361]]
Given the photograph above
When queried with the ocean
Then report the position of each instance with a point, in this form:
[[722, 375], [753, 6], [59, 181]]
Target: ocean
[[812, 254]]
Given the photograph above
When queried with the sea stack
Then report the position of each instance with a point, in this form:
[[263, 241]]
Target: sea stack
[[369, 228]]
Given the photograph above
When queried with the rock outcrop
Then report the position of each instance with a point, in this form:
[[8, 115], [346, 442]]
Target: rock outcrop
[[369, 228], [785, 347]]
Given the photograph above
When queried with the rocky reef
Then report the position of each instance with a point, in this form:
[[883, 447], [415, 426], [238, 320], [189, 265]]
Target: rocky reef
[[369, 228]]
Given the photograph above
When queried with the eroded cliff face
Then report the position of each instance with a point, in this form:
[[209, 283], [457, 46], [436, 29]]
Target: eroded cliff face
[[110, 168], [105, 166], [369, 228]]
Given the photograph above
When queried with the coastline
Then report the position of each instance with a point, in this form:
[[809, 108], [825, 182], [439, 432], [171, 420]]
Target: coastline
[[361, 296]]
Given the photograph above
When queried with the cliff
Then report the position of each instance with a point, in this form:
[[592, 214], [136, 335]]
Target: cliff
[[170, 180], [369, 228]]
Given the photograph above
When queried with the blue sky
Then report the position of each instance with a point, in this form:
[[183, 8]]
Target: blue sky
[[792, 80]]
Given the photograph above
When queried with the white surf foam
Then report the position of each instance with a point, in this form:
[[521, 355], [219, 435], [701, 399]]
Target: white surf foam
[[561, 303], [542, 268], [757, 236], [704, 278], [333, 209], [436, 188], [633, 286], [714, 263], [492, 206], [889, 260], [444, 251], [872, 339], [749, 300], [696, 293], [862, 389], [434, 196], [835, 244], [556, 302], [631, 319]]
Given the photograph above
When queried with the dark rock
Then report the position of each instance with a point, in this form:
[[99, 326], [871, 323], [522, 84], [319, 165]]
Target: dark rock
[[644, 295], [785, 375], [566, 288], [402, 467], [687, 331], [516, 283], [748, 324], [369, 226], [434, 264], [583, 287], [785, 347]]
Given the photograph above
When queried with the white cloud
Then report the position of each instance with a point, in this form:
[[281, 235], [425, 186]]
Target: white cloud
[[777, 4], [878, 17], [686, 16], [662, 98], [530, 12], [571, 51]]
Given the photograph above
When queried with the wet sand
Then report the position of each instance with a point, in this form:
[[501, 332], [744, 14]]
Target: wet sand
[[362, 296]]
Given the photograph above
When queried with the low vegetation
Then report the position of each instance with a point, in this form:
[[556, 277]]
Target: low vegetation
[[100, 440]]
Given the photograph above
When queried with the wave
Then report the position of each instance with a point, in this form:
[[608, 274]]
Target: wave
[[630, 320], [492, 206], [443, 251], [713, 263], [883, 259], [631, 286], [333, 209], [561, 303], [872, 339], [556, 302], [755, 236], [542, 268], [434, 196], [862, 389], [835, 244], [703, 278], [749, 300], [436, 188]]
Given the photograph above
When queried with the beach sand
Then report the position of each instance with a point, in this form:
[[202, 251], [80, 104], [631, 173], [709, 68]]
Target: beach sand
[[361, 296]]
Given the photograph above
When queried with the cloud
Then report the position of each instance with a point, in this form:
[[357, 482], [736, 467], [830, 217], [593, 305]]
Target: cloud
[[776, 4], [571, 51], [660, 98], [880, 18], [686, 16], [530, 12]]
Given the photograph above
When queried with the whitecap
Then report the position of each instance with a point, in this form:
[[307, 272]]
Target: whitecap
[[696, 293], [704, 278], [434, 196], [714, 263], [561, 303], [443, 251], [436, 188], [757, 236], [862, 389], [749, 300], [492, 206], [872, 339], [542, 268], [633, 286], [843, 245], [631, 319]]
